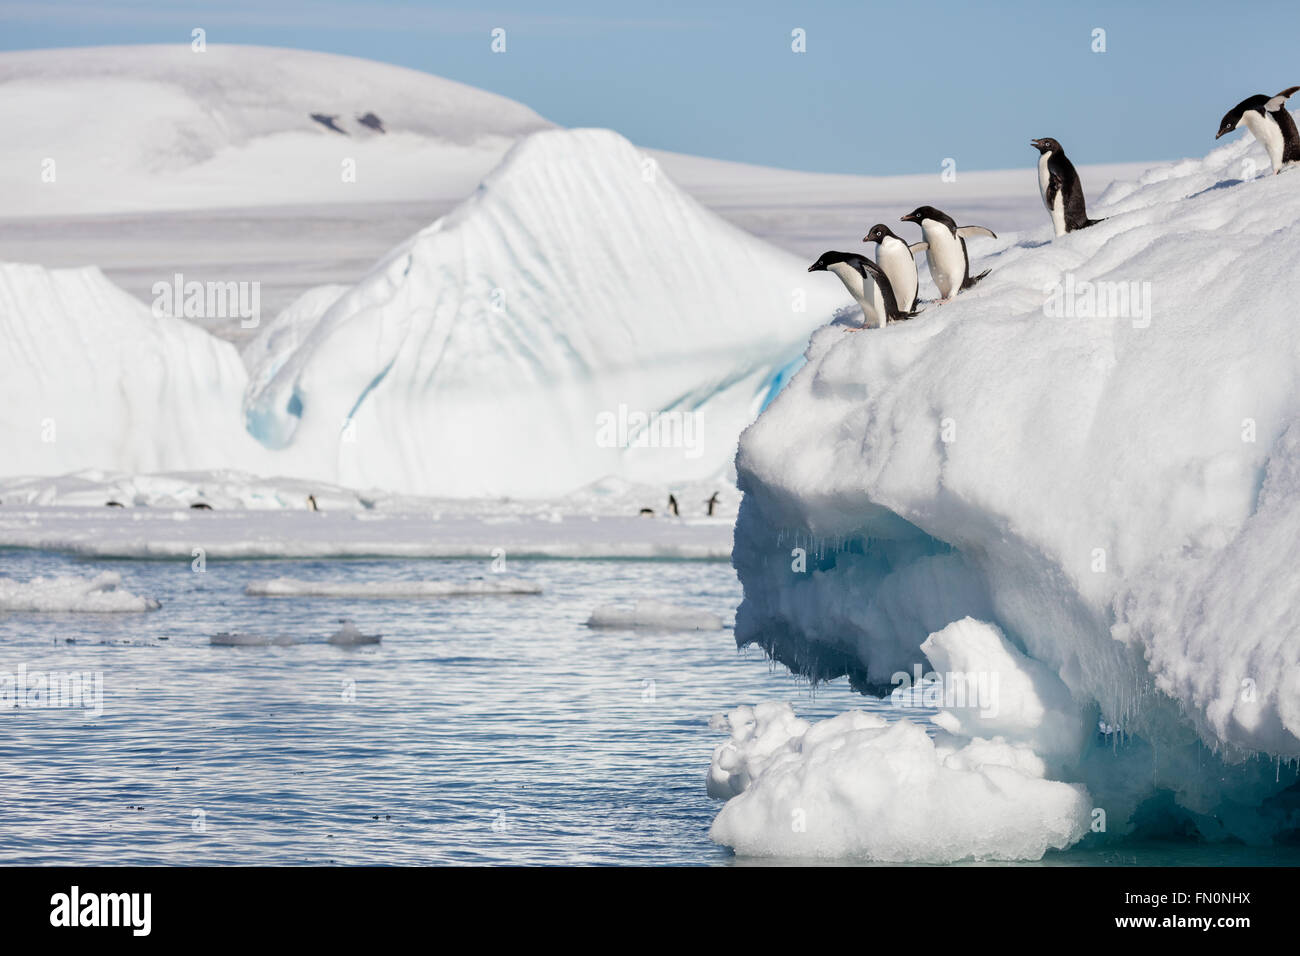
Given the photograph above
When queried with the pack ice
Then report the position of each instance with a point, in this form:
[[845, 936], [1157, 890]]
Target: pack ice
[[1090, 463], [577, 317]]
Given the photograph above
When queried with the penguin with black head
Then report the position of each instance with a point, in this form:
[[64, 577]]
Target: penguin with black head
[[868, 285], [1062, 191], [945, 249], [897, 259], [1271, 122]]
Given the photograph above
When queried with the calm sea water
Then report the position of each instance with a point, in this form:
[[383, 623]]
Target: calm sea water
[[481, 730]]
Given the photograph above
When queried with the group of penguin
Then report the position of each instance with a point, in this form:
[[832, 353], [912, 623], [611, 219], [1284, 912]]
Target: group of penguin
[[886, 288]]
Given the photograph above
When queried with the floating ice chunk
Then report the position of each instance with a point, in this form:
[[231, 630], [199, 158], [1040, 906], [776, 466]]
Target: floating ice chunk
[[238, 639], [858, 787], [349, 635], [654, 615], [70, 593], [293, 587]]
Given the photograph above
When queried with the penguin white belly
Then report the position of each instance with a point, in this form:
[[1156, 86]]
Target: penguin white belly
[[1055, 208], [895, 258], [1058, 213], [873, 307], [1043, 178], [946, 257], [1267, 132]]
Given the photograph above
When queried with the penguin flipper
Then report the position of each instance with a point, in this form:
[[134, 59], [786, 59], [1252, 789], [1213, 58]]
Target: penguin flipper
[[968, 231], [971, 280], [916, 247], [1054, 186], [1275, 104]]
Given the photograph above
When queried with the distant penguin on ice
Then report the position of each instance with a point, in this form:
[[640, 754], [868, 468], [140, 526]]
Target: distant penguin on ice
[[896, 258], [945, 249], [1059, 184], [868, 285], [1271, 122]]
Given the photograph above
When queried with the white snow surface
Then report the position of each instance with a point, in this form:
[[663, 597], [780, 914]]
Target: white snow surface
[[652, 614], [1118, 493], [165, 127], [70, 593]]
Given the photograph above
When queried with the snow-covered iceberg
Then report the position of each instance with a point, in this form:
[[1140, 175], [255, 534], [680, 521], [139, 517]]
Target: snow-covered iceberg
[[91, 378], [578, 317], [1096, 450]]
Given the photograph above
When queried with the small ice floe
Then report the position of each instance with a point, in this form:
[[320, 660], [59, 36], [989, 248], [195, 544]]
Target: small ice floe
[[98, 594], [654, 615], [348, 635], [478, 587], [239, 639]]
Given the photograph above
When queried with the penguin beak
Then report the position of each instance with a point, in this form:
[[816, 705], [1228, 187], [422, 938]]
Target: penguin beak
[[1036, 143], [908, 218], [813, 267], [1221, 132]]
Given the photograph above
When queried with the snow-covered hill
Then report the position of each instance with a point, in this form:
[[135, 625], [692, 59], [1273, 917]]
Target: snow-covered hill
[[1096, 450], [578, 317], [101, 129]]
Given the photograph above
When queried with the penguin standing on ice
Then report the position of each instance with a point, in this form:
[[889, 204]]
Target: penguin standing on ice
[[895, 257], [945, 249], [1059, 184], [1271, 122], [868, 285]]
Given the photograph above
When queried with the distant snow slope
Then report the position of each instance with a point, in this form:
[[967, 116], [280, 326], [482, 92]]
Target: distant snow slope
[[164, 127], [1116, 486], [578, 317]]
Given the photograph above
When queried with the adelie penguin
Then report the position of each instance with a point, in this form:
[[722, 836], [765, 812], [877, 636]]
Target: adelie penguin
[[945, 249], [895, 257], [868, 285], [1059, 184], [1269, 119]]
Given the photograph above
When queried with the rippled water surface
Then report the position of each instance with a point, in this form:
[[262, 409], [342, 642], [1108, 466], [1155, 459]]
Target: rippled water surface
[[481, 730]]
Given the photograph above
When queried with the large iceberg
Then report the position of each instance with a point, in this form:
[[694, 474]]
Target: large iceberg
[[578, 317], [1097, 452]]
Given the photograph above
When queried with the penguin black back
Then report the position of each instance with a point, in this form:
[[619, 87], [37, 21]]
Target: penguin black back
[[1270, 108], [1063, 179], [868, 270]]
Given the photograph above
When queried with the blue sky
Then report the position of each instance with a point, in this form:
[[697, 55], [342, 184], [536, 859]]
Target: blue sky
[[883, 88]]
